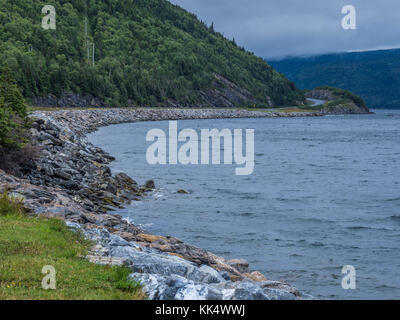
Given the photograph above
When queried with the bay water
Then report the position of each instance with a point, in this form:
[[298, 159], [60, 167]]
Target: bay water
[[325, 193]]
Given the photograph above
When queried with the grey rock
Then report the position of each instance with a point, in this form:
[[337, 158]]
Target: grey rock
[[154, 285], [108, 260], [175, 287], [59, 173], [124, 179], [249, 291], [152, 263], [150, 184], [240, 264], [192, 291], [206, 274], [111, 188], [73, 225], [116, 241]]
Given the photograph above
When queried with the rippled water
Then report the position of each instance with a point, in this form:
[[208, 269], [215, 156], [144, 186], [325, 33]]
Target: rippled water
[[325, 193]]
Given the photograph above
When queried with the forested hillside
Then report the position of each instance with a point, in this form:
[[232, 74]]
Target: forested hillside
[[147, 52], [374, 75]]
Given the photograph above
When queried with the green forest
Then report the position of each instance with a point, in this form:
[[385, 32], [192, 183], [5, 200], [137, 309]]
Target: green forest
[[374, 75], [146, 52]]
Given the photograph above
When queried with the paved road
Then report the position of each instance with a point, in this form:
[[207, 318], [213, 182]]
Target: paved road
[[316, 102]]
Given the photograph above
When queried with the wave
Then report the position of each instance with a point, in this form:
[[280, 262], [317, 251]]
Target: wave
[[359, 228], [386, 287], [317, 244], [370, 228], [393, 199]]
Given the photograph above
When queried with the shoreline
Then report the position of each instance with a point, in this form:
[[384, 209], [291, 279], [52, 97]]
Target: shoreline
[[73, 182], [86, 121]]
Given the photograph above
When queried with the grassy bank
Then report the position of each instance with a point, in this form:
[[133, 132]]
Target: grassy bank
[[29, 243]]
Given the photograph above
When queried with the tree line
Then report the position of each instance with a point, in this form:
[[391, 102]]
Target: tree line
[[146, 52]]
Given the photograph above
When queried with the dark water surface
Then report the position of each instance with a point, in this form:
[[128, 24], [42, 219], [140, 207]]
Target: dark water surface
[[325, 193]]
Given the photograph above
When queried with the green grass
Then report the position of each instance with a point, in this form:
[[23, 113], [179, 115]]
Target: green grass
[[311, 108], [296, 109], [29, 243]]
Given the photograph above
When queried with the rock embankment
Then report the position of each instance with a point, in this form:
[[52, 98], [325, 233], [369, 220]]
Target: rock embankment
[[82, 122], [72, 182], [167, 267]]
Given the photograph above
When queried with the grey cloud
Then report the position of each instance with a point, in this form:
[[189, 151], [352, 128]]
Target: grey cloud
[[300, 27]]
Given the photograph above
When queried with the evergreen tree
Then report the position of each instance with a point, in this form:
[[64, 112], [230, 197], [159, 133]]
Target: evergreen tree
[[13, 98], [6, 125], [212, 27], [13, 112]]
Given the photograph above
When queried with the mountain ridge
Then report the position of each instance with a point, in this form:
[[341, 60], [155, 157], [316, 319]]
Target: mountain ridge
[[374, 75]]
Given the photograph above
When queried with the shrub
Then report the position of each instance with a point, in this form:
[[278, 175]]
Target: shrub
[[10, 206], [18, 161]]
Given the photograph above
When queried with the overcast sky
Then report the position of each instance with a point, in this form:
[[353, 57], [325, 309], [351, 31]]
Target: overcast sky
[[277, 28]]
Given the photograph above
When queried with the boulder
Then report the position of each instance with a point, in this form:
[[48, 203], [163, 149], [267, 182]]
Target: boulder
[[255, 276], [240, 265], [124, 179], [150, 185], [60, 173], [108, 260]]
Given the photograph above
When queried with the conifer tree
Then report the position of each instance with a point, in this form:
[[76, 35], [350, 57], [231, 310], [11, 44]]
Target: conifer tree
[[13, 98], [13, 112]]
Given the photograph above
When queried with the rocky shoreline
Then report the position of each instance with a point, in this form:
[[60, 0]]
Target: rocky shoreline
[[71, 181]]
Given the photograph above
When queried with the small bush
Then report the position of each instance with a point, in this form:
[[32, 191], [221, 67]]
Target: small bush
[[10, 206], [120, 280], [18, 161]]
